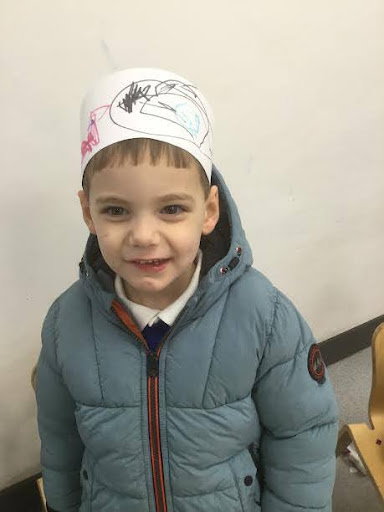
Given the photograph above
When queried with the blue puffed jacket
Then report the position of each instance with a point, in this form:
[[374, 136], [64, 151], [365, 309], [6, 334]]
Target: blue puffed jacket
[[234, 412]]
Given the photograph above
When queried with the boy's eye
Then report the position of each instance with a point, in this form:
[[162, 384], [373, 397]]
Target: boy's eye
[[173, 209], [115, 211]]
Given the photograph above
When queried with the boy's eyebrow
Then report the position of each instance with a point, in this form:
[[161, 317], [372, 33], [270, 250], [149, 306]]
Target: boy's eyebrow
[[176, 197], [167, 197], [109, 199]]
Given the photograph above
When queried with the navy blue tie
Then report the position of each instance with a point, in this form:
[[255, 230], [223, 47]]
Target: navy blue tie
[[154, 334]]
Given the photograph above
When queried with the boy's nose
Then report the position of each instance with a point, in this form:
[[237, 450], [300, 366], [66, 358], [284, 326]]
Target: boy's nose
[[143, 233]]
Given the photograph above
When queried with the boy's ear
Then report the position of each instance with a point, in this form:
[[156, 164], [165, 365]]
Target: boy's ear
[[212, 211], [86, 211]]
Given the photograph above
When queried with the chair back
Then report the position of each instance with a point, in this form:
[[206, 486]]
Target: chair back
[[376, 400]]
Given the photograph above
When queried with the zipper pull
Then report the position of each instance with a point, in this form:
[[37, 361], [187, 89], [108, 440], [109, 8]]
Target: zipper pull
[[152, 364]]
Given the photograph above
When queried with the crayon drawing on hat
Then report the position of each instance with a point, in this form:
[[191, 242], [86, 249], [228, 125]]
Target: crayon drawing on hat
[[93, 134], [150, 103], [172, 101]]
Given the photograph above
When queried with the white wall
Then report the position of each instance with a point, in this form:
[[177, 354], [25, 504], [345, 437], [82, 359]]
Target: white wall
[[297, 91]]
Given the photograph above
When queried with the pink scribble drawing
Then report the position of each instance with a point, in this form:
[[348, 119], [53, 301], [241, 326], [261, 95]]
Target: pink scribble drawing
[[93, 133]]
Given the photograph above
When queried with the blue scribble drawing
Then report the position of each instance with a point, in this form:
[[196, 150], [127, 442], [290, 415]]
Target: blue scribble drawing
[[188, 117]]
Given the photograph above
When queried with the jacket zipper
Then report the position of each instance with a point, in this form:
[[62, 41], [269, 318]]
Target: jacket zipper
[[154, 430], [153, 407]]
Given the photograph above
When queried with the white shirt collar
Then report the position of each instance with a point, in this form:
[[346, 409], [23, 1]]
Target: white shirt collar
[[147, 316]]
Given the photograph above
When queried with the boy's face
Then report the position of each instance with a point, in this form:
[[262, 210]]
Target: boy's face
[[143, 213]]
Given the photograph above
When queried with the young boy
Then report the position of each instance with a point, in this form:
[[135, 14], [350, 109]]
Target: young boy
[[173, 376]]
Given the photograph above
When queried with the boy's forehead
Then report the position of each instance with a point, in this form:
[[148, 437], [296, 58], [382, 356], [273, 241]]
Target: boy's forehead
[[156, 181]]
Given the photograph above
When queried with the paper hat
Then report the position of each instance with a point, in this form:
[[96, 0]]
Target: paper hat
[[149, 103]]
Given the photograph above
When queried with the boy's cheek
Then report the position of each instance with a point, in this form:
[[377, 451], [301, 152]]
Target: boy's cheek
[[103, 235], [107, 230]]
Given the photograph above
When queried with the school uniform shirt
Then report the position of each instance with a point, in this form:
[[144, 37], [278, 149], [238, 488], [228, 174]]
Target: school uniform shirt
[[234, 412]]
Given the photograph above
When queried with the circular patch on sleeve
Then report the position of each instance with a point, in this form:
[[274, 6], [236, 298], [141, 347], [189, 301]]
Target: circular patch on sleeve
[[316, 366]]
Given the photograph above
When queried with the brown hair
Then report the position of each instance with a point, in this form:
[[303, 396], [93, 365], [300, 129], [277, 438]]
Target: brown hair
[[136, 150]]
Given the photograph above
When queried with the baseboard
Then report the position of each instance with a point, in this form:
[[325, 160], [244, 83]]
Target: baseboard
[[24, 496], [349, 342]]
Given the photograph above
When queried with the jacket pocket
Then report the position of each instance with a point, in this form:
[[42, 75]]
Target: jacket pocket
[[244, 473]]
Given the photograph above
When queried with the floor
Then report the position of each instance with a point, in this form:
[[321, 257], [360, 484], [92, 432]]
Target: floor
[[351, 379]]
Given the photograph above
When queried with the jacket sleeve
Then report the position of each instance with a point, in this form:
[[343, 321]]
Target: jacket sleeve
[[299, 417], [61, 446]]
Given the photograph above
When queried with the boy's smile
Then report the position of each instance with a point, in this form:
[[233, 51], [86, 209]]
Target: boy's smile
[[149, 220]]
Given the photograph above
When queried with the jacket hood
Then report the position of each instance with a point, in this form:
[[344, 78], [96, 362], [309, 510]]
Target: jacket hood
[[226, 256]]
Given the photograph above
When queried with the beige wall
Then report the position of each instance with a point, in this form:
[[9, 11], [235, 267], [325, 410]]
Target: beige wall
[[297, 90]]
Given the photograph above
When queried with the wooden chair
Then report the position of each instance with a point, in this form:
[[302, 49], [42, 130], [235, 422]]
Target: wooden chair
[[39, 481], [369, 439]]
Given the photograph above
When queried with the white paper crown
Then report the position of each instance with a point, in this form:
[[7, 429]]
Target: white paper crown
[[150, 103]]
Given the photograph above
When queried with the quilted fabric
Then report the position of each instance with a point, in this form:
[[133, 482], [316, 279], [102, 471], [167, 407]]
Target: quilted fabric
[[244, 426]]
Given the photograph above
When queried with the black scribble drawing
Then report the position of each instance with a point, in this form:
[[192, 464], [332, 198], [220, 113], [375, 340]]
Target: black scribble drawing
[[134, 94], [171, 100], [165, 87], [167, 106]]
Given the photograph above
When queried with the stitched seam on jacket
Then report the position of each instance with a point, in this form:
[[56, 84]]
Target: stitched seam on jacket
[[276, 302], [200, 408], [309, 429], [46, 361], [203, 493], [91, 490], [209, 369], [95, 339], [289, 360], [103, 406], [294, 504], [44, 353], [213, 349], [221, 462], [55, 330], [292, 358], [237, 485], [281, 363], [108, 488]]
